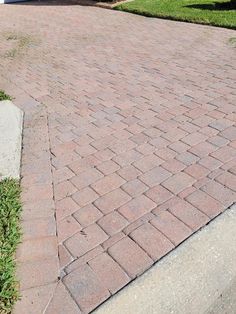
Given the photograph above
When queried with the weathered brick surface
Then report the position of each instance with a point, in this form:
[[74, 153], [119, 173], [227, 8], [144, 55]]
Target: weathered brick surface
[[67, 227], [84, 259], [35, 300], [132, 226], [135, 187], [152, 241], [171, 227], [148, 162], [227, 179], [109, 272], [86, 288], [39, 227], [137, 207], [65, 208], [37, 273], [189, 214], [86, 178], [122, 156], [108, 183], [85, 196], [108, 167], [37, 249], [197, 171], [87, 215], [63, 190], [155, 176], [64, 256], [173, 165], [112, 201], [86, 240], [62, 302], [204, 202], [113, 223], [159, 194], [178, 182], [130, 256]]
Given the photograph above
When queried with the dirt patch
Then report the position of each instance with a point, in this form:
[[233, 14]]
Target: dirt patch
[[106, 4], [16, 44], [232, 42]]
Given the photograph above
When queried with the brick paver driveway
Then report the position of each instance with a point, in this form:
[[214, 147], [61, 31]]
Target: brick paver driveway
[[129, 139]]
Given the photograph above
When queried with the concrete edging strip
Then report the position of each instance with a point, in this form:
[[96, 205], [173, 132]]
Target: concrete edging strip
[[190, 279], [11, 126]]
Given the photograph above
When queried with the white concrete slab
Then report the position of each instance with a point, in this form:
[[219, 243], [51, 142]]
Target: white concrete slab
[[11, 121], [226, 302], [190, 280]]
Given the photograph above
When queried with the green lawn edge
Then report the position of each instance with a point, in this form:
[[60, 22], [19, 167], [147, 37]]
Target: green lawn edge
[[135, 8], [10, 235]]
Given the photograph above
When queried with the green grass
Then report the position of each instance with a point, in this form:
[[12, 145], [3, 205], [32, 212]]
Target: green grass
[[10, 209], [209, 12], [4, 96]]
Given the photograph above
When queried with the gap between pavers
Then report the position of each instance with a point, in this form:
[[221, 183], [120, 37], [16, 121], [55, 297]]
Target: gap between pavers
[[11, 126], [188, 280]]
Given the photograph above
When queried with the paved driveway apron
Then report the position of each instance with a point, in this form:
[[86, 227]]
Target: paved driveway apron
[[129, 144]]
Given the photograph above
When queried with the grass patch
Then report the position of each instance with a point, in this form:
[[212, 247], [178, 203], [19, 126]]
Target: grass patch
[[10, 209], [4, 96], [208, 12]]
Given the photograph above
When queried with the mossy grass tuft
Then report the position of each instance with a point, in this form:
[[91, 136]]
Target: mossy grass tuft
[[4, 96]]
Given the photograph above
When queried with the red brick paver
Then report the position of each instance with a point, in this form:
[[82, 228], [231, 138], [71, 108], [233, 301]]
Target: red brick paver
[[128, 148]]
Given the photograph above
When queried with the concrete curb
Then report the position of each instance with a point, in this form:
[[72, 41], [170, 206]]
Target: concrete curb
[[191, 279], [11, 126]]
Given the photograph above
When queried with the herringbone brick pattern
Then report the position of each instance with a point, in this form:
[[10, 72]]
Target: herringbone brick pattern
[[129, 139]]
